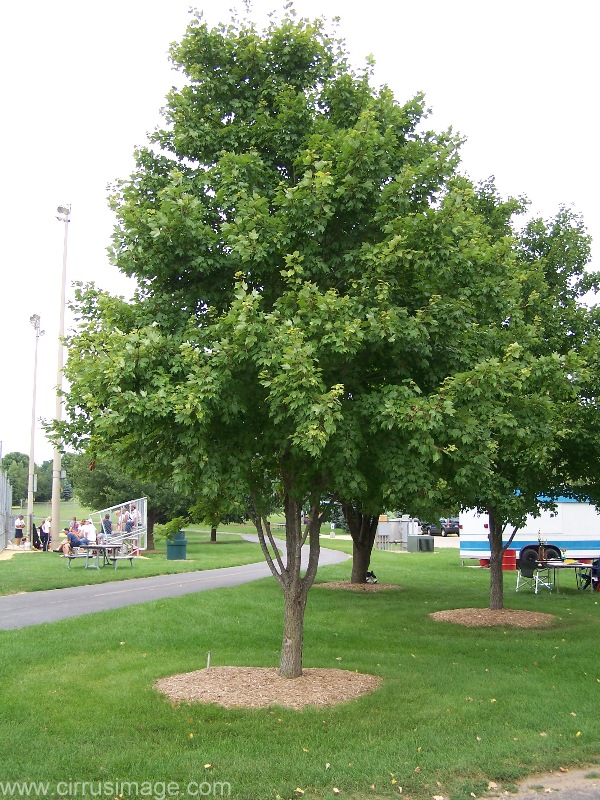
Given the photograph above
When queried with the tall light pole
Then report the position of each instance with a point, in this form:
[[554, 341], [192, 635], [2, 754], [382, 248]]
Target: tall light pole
[[35, 321], [64, 213]]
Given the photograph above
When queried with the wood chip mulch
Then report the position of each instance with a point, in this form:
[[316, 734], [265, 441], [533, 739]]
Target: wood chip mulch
[[261, 687], [357, 587], [485, 617]]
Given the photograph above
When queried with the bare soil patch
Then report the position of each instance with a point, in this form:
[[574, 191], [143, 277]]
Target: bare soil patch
[[357, 587], [485, 617], [561, 784], [9, 552], [260, 687]]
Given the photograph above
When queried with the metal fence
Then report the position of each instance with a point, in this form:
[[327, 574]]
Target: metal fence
[[6, 516]]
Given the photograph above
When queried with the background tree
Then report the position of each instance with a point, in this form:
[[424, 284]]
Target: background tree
[[16, 467], [214, 514], [67, 490], [520, 412], [44, 482], [226, 508], [459, 279], [67, 467]]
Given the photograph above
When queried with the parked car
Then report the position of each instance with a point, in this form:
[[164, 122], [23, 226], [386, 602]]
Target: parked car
[[444, 527], [432, 528]]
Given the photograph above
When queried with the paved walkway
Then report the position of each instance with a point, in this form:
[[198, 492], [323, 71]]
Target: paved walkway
[[576, 784], [35, 608]]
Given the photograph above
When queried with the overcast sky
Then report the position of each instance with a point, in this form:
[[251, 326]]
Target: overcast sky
[[82, 84]]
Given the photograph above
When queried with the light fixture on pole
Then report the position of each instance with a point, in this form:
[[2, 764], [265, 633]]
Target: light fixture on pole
[[35, 321], [64, 215]]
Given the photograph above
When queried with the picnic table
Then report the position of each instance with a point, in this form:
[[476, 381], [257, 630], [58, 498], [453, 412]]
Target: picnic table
[[111, 553]]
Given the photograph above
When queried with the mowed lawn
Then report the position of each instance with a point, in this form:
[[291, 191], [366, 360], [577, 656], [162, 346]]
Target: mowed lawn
[[458, 706]]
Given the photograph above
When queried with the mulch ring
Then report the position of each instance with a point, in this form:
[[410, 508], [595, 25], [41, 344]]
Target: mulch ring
[[486, 618], [261, 687], [358, 587]]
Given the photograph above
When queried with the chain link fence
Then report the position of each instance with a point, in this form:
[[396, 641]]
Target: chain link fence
[[6, 515]]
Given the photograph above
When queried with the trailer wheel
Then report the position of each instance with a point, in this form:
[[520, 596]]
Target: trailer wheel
[[553, 553], [529, 555]]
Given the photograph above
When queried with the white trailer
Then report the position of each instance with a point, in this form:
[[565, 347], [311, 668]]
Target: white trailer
[[572, 530]]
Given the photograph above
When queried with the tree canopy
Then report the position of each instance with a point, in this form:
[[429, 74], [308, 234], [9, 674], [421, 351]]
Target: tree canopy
[[323, 297], [519, 411], [16, 467]]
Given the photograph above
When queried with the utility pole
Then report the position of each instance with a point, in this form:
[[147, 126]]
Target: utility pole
[[64, 213], [35, 321]]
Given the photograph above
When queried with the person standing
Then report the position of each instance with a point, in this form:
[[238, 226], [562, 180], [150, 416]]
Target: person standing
[[45, 533], [19, 528], [105, 529]]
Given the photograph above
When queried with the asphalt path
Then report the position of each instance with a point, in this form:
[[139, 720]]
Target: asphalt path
[[36, 608]]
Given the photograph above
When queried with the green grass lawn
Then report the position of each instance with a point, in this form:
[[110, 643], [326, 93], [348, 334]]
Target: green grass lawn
[[458, 706]]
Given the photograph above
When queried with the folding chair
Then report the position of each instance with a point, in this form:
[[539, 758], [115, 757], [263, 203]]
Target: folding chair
[[583, 577], [532, 576], [526, 576], [542, 577]]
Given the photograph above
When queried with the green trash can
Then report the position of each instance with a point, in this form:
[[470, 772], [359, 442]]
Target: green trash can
[[176, 547]]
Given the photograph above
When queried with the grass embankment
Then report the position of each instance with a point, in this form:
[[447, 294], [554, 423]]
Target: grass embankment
[[458, 706]]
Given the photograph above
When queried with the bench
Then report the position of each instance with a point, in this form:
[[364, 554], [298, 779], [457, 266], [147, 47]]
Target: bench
[[107, 557], [72, 556], [115, 559]]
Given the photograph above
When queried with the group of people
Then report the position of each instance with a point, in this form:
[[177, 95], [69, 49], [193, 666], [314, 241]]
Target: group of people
[[77, 534], [128, 519], [40, 540], [80, 534], [84, 533]]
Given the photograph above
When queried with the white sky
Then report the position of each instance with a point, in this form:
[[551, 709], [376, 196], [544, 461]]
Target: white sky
[[83, 82]]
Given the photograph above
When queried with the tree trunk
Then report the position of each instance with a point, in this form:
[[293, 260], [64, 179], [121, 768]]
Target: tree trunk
[[213, 535], [361, 559], [150, 530], [363, 528], [290, 664], [294, 586], [496, 556]]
